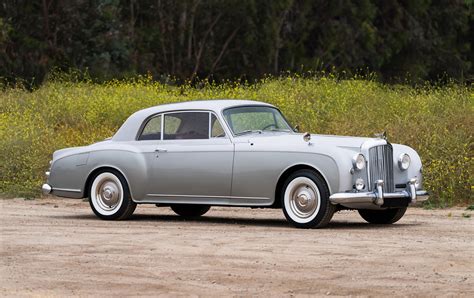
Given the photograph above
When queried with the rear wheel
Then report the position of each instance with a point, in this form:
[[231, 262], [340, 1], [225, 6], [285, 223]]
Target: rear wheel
[[388, 216], [189, 211], [109, 196], [305, 200]]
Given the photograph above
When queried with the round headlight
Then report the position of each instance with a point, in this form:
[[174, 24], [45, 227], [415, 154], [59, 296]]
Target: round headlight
[[404, 161], [358, 161]]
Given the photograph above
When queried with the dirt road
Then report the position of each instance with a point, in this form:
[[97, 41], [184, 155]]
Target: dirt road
[[58, 247]]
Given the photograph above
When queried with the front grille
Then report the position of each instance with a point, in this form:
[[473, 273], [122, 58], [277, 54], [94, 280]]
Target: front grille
[[381, 166]]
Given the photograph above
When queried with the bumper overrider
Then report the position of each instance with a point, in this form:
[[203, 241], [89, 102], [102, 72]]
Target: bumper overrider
[[46, 188], [378, 197]]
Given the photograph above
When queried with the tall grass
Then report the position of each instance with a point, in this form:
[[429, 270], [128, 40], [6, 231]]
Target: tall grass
[[437, 121]]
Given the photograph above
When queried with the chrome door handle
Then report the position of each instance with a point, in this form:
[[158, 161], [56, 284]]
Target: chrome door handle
[[161, 150]]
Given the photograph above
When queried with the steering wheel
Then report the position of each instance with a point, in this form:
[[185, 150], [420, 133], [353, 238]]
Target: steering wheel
[[269, 125]]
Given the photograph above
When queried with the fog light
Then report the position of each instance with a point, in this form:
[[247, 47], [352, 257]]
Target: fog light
[[359, 184]]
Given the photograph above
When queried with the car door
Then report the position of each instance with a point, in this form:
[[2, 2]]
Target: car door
[[193, 160]]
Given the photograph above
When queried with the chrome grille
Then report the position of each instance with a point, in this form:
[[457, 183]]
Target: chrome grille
[[381, 166]]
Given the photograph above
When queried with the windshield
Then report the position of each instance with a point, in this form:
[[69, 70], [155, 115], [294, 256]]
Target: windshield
[[250, 119]]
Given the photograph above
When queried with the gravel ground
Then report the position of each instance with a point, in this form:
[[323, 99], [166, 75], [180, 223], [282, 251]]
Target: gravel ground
[[57, 247]]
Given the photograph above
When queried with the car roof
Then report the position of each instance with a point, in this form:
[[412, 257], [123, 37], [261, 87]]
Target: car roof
[[130, 127], [216, 105]]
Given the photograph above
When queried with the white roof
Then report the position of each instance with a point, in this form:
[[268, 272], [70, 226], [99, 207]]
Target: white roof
[[130, 127]]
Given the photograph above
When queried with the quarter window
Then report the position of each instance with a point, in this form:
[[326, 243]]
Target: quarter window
[[216, 128], [186, 126], [152, 129]]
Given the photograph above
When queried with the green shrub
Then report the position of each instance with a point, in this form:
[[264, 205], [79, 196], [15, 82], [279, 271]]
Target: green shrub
[[437, 121]]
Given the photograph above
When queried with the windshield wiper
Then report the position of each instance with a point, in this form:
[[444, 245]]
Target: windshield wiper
[[244, 132], [275, 129]]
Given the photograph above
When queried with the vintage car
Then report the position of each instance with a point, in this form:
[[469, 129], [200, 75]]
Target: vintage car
[[193, 155]]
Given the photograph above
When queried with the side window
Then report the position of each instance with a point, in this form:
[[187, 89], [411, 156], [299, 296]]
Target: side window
[[216, 129], [173, 122], [186, 126], [152, 129]]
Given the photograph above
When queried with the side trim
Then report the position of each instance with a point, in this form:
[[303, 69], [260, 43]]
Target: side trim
[[211, 197], [66, 189]]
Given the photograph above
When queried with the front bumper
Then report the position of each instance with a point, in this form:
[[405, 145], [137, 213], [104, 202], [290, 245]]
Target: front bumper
[[378, 197]]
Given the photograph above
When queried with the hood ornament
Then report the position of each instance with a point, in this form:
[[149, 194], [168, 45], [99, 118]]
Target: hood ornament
[[382, 135]]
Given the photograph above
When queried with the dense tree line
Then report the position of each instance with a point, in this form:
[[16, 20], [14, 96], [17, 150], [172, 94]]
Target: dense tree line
[[220, 39]]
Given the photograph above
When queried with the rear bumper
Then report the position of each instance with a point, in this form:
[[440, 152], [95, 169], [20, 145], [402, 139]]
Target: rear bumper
[[62, 192], [46, 188], [378, 197]]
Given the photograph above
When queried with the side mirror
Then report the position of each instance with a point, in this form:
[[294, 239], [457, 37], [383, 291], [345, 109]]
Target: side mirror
[[307, 137], [296, 128]]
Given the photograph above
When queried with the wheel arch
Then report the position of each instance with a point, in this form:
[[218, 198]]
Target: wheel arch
[[101, 169], [287, 172]]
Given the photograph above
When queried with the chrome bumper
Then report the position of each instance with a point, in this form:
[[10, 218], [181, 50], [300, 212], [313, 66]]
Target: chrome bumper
[[378, 196], [46, 188]]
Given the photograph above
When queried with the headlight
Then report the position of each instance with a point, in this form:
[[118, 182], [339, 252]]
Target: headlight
[[358, 161], [404, 161]]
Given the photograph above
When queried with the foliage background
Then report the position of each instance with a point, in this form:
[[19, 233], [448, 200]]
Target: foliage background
[[141, 53], [232, 39], [436, 120]]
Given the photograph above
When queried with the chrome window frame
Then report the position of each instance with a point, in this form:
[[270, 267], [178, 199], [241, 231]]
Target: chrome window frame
[[143, 125], [163, 114]]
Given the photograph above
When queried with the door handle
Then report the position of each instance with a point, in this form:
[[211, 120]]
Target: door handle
[[161, 150]]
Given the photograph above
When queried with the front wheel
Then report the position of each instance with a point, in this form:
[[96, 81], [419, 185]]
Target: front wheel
[[388, 216], [189, 211], [109, 196], [305, 200]]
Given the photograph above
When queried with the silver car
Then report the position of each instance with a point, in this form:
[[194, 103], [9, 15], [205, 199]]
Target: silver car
[[193, 155]]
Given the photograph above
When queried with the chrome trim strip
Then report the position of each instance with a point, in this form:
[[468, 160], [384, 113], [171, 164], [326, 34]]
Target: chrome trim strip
[[66, 189], [204, 196]]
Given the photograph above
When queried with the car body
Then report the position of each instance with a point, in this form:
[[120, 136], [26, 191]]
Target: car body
[[197, 154]]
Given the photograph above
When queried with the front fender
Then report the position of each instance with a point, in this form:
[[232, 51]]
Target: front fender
[[415, 169]]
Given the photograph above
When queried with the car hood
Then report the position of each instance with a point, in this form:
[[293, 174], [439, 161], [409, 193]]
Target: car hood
[[348, 142]]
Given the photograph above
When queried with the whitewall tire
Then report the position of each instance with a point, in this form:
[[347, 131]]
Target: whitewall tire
[[305, 200], [109, 196]]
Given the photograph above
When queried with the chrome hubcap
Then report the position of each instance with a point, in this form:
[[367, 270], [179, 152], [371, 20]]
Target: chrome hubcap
[[108, 194], [303, 198]]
